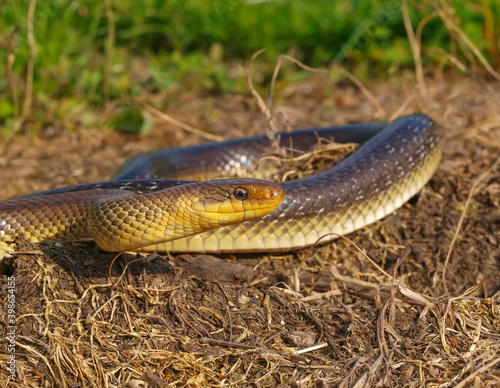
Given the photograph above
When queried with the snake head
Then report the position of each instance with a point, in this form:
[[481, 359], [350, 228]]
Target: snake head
[[130, 222], [226, 202]]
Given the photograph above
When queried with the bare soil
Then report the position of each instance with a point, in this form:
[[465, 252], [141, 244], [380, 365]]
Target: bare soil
[[312, 318]]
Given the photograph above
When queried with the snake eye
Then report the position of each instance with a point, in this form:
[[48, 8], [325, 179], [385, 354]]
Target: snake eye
[[240, 193]]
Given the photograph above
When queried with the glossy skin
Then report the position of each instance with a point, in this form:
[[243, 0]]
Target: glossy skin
[[380, 176]]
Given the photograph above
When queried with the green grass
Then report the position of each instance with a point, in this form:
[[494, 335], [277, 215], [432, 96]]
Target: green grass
[[196, 43]]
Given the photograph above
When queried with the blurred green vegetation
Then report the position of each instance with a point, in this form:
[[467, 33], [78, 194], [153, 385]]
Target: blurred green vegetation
[[161, 45]]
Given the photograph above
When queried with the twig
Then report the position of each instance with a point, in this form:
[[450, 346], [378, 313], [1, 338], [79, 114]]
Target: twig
[[402, 108], [32, 351], [405, 294], [415, 48], [453, 59], [312, 348], [227, 343], [321, 295], [111, 267], [277, 69], [489, 31], [181, 125], [420, 28], [265, 107], [472, 376], [355, 246], [452, 27], [365, 91], [260, 102]]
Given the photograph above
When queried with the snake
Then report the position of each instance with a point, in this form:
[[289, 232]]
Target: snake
[[161, 201]]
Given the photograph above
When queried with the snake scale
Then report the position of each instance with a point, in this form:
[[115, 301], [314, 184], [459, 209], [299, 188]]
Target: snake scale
[[394, 163]]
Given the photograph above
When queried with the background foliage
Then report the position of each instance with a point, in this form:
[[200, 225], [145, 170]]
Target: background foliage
[[198, 44]]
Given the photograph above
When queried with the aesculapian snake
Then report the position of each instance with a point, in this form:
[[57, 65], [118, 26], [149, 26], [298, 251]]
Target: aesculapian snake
[[393, 164]]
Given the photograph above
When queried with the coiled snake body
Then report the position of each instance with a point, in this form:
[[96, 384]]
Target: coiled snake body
[[392, 166]]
